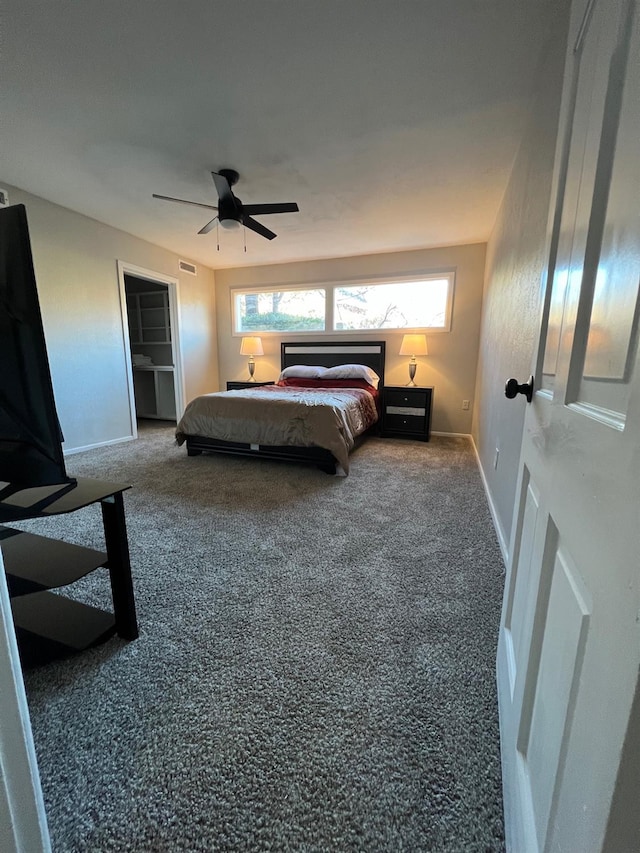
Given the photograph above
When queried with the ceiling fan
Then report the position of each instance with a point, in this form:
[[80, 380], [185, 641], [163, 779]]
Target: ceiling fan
[[232, 213]]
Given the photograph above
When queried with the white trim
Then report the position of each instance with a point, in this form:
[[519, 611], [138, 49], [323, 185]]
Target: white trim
[[608, 417], [72, 450], [452, 434], [329, 288], [124, 317], [23, 827], [173, 285], [176, 348], [502, 540]]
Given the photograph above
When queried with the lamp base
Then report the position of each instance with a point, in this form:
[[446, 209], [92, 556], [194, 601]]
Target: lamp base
[[412, 372], [252, 369]]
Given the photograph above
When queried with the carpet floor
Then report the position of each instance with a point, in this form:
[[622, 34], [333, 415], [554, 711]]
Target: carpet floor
[[316, 663]]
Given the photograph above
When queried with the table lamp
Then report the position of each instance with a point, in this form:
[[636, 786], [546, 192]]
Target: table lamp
[[413, 345], [251, 347]]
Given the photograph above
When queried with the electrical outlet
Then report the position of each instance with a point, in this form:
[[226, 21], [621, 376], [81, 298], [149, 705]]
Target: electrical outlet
[[496, 457], [465, 405], [4, 198]]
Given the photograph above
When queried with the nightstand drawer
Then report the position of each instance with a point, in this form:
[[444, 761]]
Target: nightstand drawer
[[404, 423], [411, 411], [412, 398]]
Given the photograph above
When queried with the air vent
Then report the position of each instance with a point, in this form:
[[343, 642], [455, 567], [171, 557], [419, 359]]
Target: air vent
[[185, 266]]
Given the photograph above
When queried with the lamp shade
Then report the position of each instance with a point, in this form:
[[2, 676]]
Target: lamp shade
[[251, 346], [414, 345]]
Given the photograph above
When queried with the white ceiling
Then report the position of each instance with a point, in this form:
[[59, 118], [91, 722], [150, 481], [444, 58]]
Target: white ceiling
[[394, 125]]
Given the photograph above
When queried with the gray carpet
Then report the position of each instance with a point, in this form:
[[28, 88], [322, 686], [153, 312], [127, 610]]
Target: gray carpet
[[315, 669]]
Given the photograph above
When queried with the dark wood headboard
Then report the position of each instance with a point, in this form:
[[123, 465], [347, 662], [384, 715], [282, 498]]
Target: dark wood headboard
[[332, 353]]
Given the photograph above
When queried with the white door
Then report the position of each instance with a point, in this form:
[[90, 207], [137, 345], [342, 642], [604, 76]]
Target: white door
[[569, 645], [23, 824]]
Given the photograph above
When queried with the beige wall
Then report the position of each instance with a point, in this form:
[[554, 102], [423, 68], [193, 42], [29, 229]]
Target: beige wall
[[512, 294], [75, 261], [451, 364]]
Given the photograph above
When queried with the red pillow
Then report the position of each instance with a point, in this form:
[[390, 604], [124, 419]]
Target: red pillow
[[300, 382]]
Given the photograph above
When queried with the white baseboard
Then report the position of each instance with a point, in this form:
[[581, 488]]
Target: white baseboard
[[71, 450], [452, 434], [502, 540]]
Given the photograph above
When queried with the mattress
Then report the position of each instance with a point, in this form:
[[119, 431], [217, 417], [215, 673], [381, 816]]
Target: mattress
[[273, 415]]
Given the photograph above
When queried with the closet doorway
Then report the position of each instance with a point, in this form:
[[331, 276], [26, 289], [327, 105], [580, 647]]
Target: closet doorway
[[149, 305]]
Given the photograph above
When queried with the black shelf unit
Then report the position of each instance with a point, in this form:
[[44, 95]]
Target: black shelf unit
[[49, 624]]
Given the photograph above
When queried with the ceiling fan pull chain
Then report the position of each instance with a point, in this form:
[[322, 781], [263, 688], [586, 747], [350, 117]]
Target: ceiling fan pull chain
[[244, 231], [218, 234]]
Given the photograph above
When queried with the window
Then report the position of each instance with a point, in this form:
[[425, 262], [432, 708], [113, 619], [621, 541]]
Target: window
[[416, 303], [279, 311], [408, 302]]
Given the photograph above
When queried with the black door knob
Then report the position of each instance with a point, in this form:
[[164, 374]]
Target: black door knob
[[512, 388]]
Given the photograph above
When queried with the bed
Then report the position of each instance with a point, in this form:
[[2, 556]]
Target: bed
[[318, 418]]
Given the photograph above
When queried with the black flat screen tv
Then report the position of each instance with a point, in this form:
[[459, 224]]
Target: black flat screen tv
[[30, 437]]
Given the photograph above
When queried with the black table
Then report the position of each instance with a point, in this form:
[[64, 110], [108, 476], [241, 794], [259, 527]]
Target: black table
[[406, 411], [50, 625]]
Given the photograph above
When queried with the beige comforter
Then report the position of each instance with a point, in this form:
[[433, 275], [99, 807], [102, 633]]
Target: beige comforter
[[275, 416]]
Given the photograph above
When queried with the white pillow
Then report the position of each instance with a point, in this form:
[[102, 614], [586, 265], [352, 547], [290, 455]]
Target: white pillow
[[304, 371], [352, 371]]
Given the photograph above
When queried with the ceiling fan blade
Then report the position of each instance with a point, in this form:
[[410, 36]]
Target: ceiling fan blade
[[224, 188], [283, 207], [258, 227], [184, 201], [208, 226]]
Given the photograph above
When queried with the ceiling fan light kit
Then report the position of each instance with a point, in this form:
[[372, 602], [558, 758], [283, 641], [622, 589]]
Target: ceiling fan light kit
[[232, 213]]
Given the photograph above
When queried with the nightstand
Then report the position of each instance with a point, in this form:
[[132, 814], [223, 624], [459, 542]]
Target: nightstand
[[234, 386], [406, 412]]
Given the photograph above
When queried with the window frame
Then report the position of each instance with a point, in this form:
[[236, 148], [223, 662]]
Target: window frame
[[330, 287], [275, 288]]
